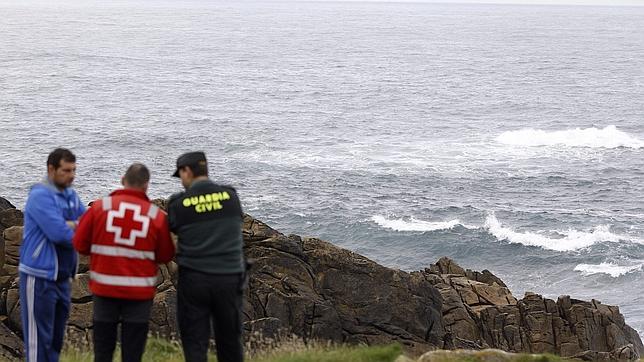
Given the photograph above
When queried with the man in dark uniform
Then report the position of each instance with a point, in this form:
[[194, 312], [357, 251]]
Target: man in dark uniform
[[207, 218]]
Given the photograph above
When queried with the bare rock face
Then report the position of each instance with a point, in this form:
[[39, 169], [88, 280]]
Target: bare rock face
[[313, 289], [11, 345], [486, 315], [12, 240], [465, 294], [5, 204], [9, 216]]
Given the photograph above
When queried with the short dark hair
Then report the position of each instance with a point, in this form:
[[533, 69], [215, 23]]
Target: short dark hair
[[199, 169], [60, 154], [137, 175]]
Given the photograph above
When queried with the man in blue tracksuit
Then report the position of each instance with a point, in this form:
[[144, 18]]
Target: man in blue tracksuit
[[47, 258]]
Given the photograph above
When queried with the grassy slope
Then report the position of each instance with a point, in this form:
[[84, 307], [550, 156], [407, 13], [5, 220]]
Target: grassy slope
[[161, 350]]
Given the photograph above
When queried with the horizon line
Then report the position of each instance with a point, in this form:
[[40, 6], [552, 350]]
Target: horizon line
[[495, 2]]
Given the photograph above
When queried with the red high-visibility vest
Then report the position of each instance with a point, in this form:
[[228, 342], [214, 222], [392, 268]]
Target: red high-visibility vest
[[126, 237]]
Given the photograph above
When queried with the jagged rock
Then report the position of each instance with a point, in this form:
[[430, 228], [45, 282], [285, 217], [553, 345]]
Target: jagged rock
[[445, 265], [8, 218], [363, 294], [264, 328], [11, 217], [13, 309], [80, 316], [315, 290], [5, 204], [255, 230], [163, 319], [465, 294], [486, 314], [80, 289], [13, 239], [11, 345], [485, 277]]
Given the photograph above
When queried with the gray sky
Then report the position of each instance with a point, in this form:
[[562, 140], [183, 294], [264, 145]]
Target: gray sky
[[549, 2]]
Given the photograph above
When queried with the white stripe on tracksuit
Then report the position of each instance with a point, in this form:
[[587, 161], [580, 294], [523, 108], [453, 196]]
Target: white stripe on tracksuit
[[33, 329]]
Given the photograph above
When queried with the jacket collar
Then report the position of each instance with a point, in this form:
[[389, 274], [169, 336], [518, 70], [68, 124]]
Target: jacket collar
[[46, 182], [200, 182], [131, 192]]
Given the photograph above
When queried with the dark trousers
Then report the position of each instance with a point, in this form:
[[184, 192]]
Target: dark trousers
[[133, 316], [44, 307], [202, 298]]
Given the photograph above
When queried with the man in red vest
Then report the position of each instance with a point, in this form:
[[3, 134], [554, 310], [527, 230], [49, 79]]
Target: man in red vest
[[126, 236]]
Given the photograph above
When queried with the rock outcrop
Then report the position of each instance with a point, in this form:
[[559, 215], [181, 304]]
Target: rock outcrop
[[481, 313], [313, 289]]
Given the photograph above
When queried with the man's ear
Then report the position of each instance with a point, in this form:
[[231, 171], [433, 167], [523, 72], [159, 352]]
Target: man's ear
[[123, 180]]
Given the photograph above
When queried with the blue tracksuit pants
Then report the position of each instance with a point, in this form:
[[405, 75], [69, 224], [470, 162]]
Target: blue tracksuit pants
[[44, 307]]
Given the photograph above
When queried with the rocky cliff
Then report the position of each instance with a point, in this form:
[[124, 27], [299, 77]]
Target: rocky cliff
[[313, 289]]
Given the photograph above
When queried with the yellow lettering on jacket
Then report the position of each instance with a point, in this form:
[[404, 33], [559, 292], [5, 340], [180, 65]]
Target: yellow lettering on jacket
[[206, 202]]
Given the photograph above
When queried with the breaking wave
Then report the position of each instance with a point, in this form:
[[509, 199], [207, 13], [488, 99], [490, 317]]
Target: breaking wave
[[562, 241], [611, 269], [415, 225], [607, 137]]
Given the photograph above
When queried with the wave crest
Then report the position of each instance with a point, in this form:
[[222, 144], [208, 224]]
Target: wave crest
[[607, 137], [569, 240], [611, 269], [414, 224]]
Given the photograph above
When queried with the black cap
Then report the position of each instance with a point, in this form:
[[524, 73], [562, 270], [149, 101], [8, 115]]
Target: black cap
[[189, 159]]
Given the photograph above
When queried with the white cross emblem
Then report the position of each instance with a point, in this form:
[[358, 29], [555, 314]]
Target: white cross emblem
[[119, 229]]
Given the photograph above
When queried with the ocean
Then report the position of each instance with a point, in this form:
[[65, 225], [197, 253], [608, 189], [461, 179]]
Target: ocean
[[509, 138]]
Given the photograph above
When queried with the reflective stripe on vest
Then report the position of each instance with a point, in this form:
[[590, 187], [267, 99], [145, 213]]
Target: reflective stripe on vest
[[107, 203], [153, 211], [120, 251], [123, 281]]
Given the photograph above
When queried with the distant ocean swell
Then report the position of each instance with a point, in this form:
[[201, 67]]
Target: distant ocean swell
[[607, 137], [568, 240]]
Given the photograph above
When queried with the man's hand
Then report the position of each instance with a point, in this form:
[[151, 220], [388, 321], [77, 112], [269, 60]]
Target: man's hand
[[71, 224]]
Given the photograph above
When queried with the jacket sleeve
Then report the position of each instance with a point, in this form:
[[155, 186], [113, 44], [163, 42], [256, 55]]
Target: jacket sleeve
[[83, 236], [80, 211], [165, 247], [42, 208], [172, 213]]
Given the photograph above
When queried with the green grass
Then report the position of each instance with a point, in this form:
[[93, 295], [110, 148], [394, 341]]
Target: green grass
[[295, 350], [161, 350], [336, 354]]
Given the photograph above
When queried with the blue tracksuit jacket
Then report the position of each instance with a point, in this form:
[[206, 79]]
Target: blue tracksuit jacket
[[47, 261], [46, 235]]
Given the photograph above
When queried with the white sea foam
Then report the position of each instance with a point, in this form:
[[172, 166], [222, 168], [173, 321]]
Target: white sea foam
[[415, 225], [607, 137], [611, 269], [569, 240]]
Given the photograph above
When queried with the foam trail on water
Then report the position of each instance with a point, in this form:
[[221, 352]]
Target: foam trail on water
[[414, 224], [570, 240], [611, 269], [607, 137]]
